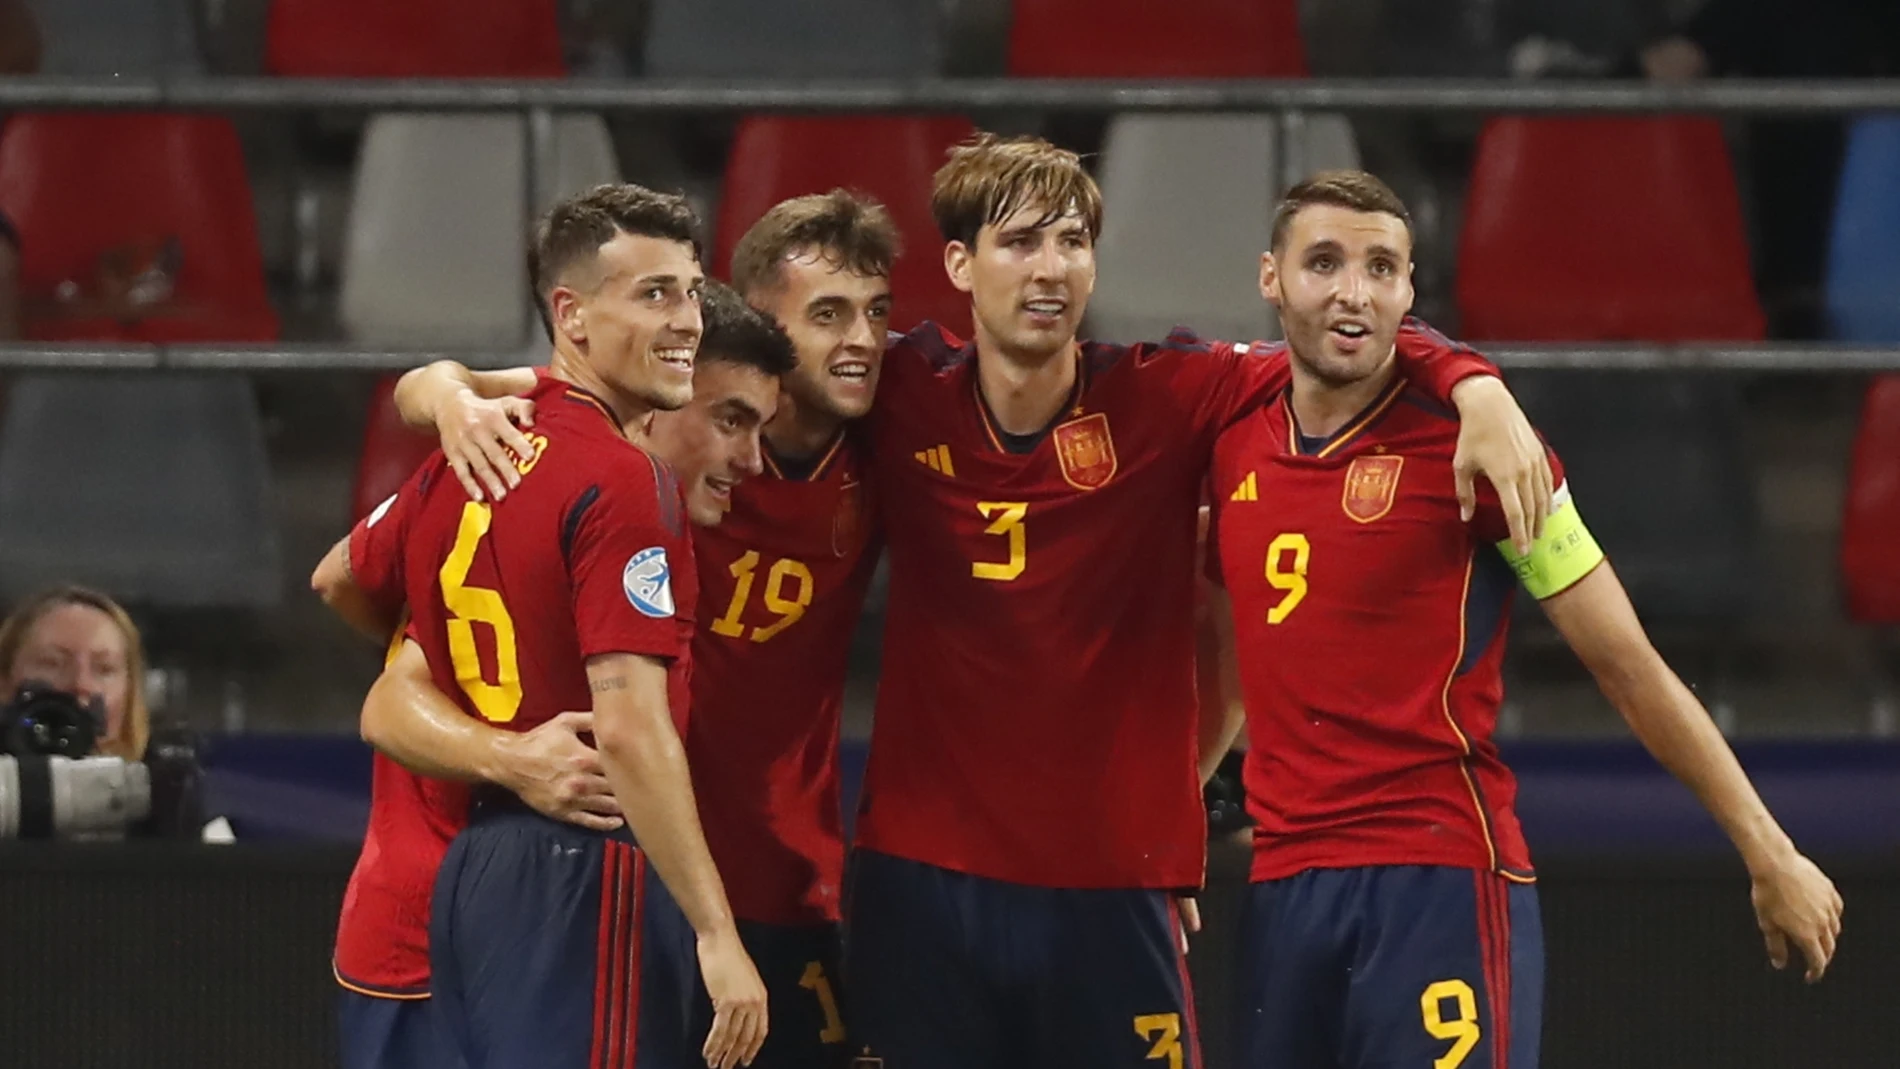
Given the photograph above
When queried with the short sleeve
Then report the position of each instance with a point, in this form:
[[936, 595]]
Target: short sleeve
[[1435, 363], [377, 540], [627, 543], [1233, 379]]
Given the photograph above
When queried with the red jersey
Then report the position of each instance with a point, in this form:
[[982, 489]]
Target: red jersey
[[1370, 622], [589, 555], [382, 938], [1036, 712], [786, 571]]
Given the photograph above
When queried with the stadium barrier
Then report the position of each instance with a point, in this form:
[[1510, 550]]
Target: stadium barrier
[[1289, 99], [146, 956]]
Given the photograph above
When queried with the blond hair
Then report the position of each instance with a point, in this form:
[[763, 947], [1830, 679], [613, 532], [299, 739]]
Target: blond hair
[[136, 726], [989, 178]]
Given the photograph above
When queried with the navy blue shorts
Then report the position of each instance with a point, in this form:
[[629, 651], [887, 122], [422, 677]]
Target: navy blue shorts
[[800, 968], [553, 946], [948, 971], [1387, 966], [376, 1032]]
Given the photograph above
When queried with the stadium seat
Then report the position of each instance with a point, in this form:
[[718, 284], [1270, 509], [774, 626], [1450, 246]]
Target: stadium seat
[[391, 451], [809, 39], [1605, 229], [152, 487], [1870, 531], [1863, 269], [81, 185], [414, 39], [1655, 462], [889, 157], [432, 253], [1143, 39], [1181, 245], [117, 38]]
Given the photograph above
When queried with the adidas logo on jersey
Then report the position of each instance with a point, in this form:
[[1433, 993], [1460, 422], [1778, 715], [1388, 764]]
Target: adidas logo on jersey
[[937, 457], [1248, 490]]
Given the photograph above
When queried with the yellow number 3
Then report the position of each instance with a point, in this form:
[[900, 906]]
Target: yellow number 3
[[1165, 1030], [1463, 1028], [470, 605], [1291, 579], [1006, 519]]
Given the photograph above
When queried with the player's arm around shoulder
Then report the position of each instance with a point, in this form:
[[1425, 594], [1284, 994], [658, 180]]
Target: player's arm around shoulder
[[479, 416], [1794, 901], [410, 721]]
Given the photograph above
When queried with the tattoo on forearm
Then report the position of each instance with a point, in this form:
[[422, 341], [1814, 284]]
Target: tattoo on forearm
[[610, 683]]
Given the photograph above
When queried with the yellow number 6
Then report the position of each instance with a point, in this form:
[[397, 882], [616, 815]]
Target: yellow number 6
[[470, 605], [1463, 1028], [1290, 579]]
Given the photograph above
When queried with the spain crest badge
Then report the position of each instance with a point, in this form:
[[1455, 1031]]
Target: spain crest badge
[[1086, 451], [1372, 484]]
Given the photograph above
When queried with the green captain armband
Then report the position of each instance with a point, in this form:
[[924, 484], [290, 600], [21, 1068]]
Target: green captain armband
[[1564, 553]]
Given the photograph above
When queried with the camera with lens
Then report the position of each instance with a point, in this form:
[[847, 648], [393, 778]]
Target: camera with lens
[[54, 783]]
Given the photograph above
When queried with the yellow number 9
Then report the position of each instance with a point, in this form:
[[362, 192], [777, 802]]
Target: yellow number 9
[[1463, 1028], [1290, 579]]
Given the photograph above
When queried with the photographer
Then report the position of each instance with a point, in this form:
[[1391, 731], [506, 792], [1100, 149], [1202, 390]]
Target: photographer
[[72, 647]]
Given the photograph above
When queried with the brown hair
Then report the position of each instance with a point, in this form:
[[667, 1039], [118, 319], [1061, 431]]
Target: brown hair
[[136, 726], [1356, 190], [846, 227], [738, 333], [989, 178], [575, 229]]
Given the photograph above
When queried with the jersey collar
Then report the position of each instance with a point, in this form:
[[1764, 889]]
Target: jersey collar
[[1354, 427], [775, 466], [1071, 408]]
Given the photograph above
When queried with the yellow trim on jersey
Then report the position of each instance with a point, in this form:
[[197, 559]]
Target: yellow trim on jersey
[[1564, 554], [1464, 741], [397, 996]]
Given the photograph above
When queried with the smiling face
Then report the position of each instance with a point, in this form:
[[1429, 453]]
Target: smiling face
[[839, 323], [713, 443], [634, 316], [1029, 278], [1341, 279]]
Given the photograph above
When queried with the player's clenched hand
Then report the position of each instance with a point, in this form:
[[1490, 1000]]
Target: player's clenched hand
[[738, 1000], [1497, 441], [1796, 903], [481, 440], [557, 774]]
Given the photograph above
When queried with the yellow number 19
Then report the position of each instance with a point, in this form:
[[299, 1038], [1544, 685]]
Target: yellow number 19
[[470, 605], [1287, 576], [1462, 1028]]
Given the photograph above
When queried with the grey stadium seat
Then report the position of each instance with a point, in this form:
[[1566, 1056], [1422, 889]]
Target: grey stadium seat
[[153, 488], [809, 39], [117, 38]]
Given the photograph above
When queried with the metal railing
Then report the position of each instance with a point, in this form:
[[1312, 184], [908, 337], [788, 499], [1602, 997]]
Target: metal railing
[[1288, 100]]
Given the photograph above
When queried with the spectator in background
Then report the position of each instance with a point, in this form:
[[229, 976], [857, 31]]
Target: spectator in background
[[1794, 164], [82, 642]]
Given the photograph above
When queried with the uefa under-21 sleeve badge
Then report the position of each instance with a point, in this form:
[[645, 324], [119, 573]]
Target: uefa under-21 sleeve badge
[[649, 583]]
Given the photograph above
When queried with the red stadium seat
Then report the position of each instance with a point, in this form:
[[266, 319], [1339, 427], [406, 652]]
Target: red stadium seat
[[1605, 229], [890, 158], [391, 451], [1145, 39], [79, 185], [1870, 531], [414, 39]]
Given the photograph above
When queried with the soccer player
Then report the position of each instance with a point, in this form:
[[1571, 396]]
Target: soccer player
[[549, 944], [783, 578], [1032, 800], [1393, 918], [382, 937]]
